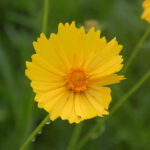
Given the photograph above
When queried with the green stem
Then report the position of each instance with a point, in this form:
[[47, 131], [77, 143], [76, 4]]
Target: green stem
[[75, 136], [40, 126], [95, 128], [45, 17], [34, 133], [27, 116], [44, 27], [130, 92], [114, 109], [136, 50]]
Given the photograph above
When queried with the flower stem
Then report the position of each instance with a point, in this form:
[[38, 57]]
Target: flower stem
[[27, 116], [95, 128], [40, 126], [75, 136], [136, 50], [45, 16], [130, 92], [34, 133], [124, 98]]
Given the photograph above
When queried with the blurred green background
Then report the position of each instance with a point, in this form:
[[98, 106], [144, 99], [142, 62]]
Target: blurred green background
[[21, 23]]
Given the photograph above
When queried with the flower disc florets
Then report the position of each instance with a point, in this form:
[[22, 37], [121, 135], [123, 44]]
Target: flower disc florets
[[77, 80]]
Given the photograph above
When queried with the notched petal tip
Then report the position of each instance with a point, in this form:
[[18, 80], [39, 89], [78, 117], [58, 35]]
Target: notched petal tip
[[60, 25], [42, 36], [91, 30], [98, 32], [52, 118], [115, 39], [105, 112], [74, 121], [52, 35], [66, 24], [94, 31], [122, 77], [28, 64], [120, 47], [40, 105], [82, 29], [104, 39], [72, 24], [27, 73], [35, 45], [34, 56]]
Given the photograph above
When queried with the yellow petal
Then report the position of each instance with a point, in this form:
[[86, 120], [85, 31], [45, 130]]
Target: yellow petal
[[146, 13], [71, 40], [97, 105], [94, 45], [51, 102], [69, 112], [65, 114], [101, 94], [88, 110], [46, 86], [37, 73], [78, 109], [112, 66], [46, 65], [107, 80], [47, 96], [58, 107], [111, 50], [45, 49]]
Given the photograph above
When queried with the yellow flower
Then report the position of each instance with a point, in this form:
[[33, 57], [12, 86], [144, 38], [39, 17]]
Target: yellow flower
[[70, 71], [146, 13]]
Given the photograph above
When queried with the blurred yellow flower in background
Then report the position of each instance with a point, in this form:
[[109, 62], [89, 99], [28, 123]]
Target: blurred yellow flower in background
[[146, 13], [70, 71], [91, 23]]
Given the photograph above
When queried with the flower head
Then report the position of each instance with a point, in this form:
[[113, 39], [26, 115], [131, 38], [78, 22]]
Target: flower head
[[146, 13], [70, 71]]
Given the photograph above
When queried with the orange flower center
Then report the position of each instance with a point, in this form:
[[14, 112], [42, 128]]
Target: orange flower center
[[77, 79]]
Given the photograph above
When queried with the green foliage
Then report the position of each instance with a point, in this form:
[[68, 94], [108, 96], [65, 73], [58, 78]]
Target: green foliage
[[20, 24]]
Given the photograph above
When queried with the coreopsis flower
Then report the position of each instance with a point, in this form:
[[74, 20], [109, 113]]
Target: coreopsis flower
[[70, 71], [146, 13]]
